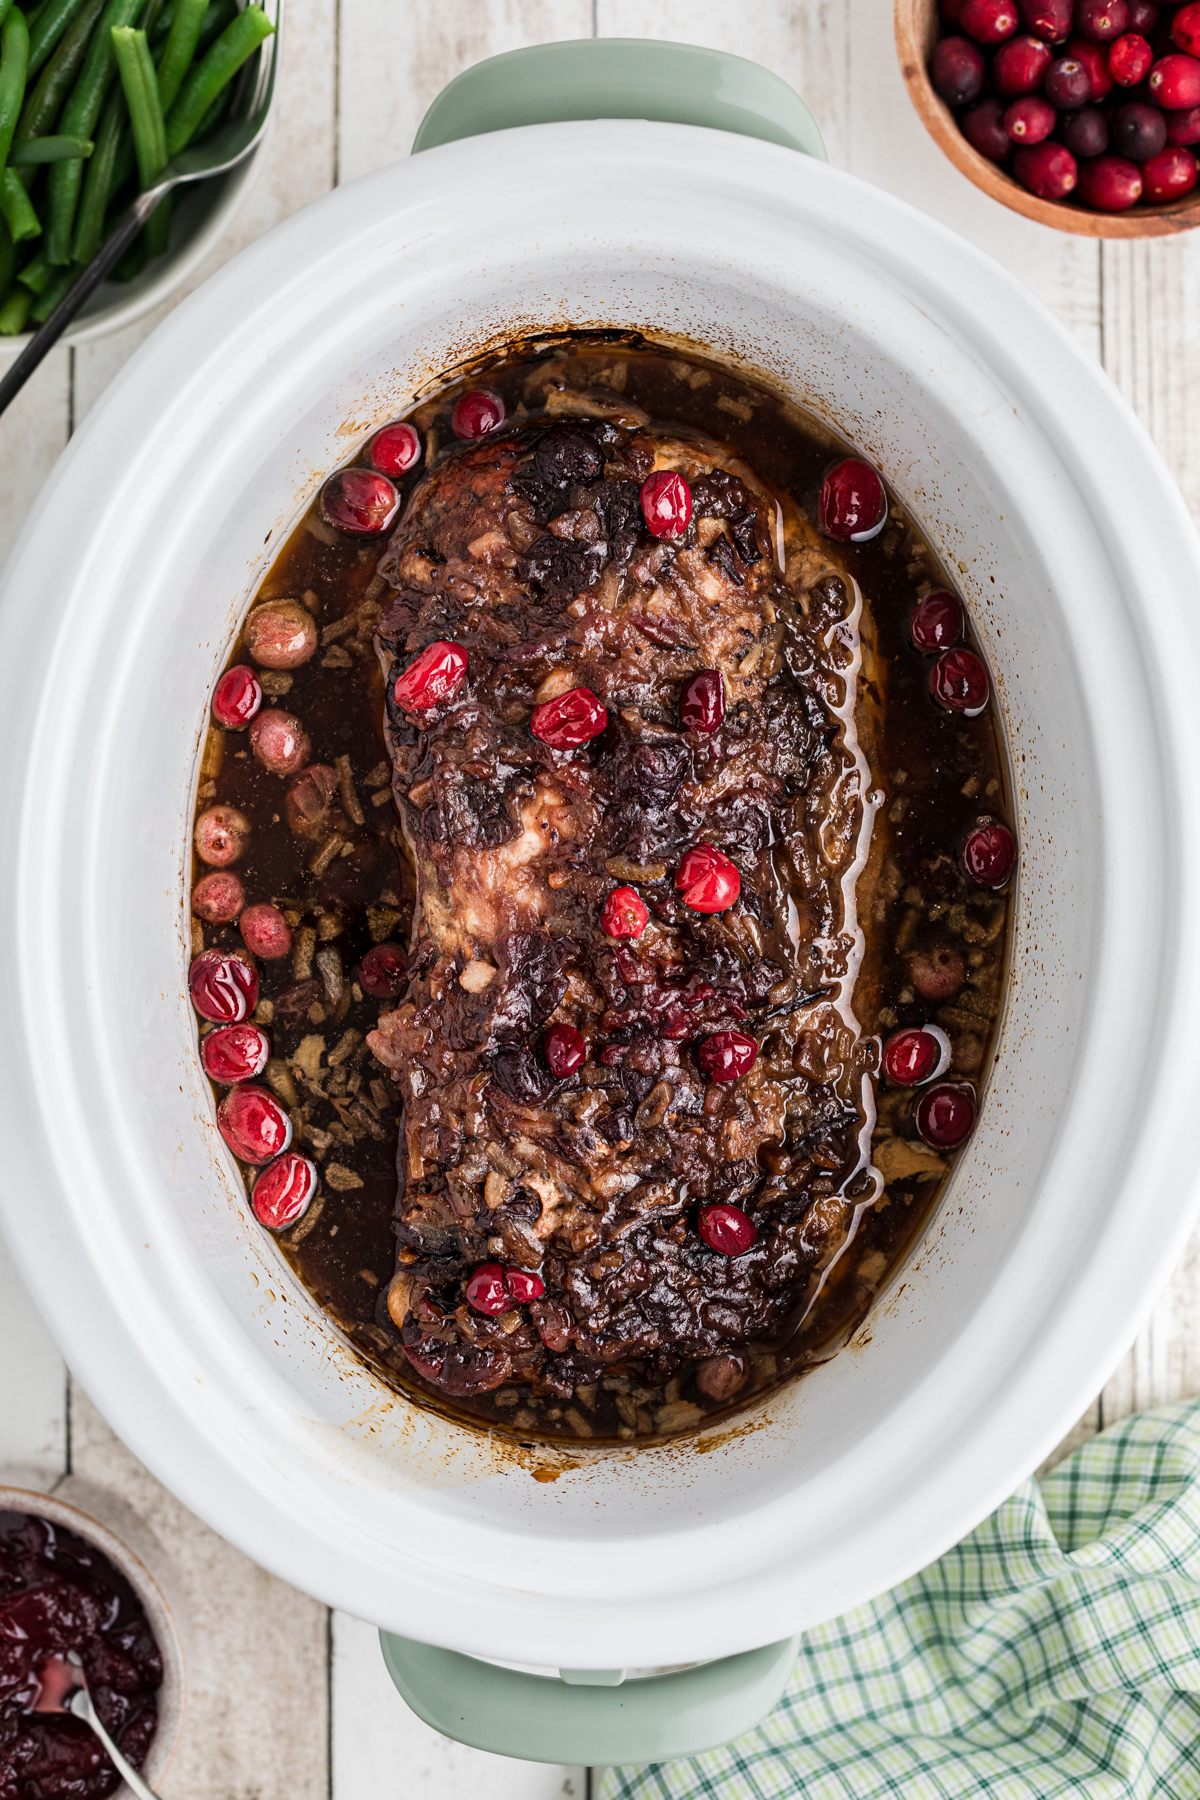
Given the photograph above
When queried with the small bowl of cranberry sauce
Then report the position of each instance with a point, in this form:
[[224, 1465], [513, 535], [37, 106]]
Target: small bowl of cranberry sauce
[[1081, 114]]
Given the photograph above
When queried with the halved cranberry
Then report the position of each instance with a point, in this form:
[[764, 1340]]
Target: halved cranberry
[[708, 881], [959, 682], [945, 1115], [221, 835], [235, 1053], [727, 1229], [253, 1124], [1185, 28], [396, 449], [1129, 59], [956, 69], [524, 1285], [486, 1290], [265, 931], [1184, 127], [1049, 19], [359, 501], [1110, 183], [624, 914], [1169, 175], [1138, 131], [853, 505], [573, 719], [283, 1191], [383, 972], [938, 622], [477, 413], [702, 705], [1175, 82], [1085, 133], [726, 1055], [984, 129], [1019, 66], [309, 800], [1101, 20], [1095, 62], [432, 676], [281, 634], [989, 854], [666, 504], [223, 985], [564, 1049], [915, 1056], [1068, 83], [237, 697], [218, 898], [1047, 170], [279, 741], [988, 21], [1030, 120]]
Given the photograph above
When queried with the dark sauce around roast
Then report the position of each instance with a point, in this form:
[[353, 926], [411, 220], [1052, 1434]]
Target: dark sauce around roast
[[59, 1593], [938, 772]]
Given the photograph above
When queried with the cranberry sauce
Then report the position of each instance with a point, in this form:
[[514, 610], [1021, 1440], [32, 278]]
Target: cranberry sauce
[[58, 1593], [618, 852]]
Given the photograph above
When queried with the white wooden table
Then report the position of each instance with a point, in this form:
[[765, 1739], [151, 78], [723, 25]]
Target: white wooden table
[[289, 1702]]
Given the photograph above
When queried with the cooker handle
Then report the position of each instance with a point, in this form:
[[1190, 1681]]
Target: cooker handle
[[591, 1716], [621, 78]]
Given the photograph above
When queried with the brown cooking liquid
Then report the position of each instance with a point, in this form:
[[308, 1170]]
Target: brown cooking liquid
[[934, 774]]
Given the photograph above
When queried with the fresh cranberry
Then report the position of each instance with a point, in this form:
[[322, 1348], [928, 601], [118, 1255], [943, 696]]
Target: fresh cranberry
[[1110, 184], [218, 898], [708, 881], [383, 972], [1047, 170], [265, 931], [432, 676], [1175, 82], [309, 800], [235, 1053], [1143, 16], [727, 1229], [359, 501], [624, 914], [524, 1285], [1185, 28], [279, 742], [989, 854], [666, 504], [253, 1124], [983, 127], [1085, 133], [283, 1191], [221, 836], [959, 682], [573, 719], [1138, 131], [945, 1115], [1030, 120], [237, 697], [224, 986], [1095, 63], [702, 707], [915, 1056], [853, 505], [1101, 20], [937, 974], [988, 21], [564, 1049], [486, 1290], [1068, 84], [281, 634], [938, 622], [477, 413], [1184, 127], [1049, 19], [956, 69], [1169, 175], [1019, 66], [1129, 59], [395, 449], [726, 1055]]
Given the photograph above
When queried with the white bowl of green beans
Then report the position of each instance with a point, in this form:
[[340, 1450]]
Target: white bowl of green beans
[[85, 87]]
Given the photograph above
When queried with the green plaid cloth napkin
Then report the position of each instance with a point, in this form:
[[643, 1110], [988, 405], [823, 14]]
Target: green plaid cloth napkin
[[1052, 1655]]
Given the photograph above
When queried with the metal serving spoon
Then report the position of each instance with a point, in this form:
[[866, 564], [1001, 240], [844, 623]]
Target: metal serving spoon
[[222, 152], [65, 1690]]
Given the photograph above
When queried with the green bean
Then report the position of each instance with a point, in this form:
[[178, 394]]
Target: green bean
[[98, 182], [48, 27], [17, 207], [14, 61], [54, 83], [145, 109], [35, 274], [47, 150], [14, 312], [8, 261], [78, 119], [64, 280], [176, 58], [236, 44], [220, 14]]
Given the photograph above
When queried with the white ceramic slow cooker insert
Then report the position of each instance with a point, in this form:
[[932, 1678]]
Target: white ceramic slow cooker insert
[[122, 1207]]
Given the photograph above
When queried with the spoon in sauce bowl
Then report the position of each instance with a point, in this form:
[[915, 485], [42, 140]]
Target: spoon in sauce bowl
[[64, 1690]]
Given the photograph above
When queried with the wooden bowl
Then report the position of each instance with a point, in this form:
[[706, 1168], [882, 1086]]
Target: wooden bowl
[[917, 28]]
